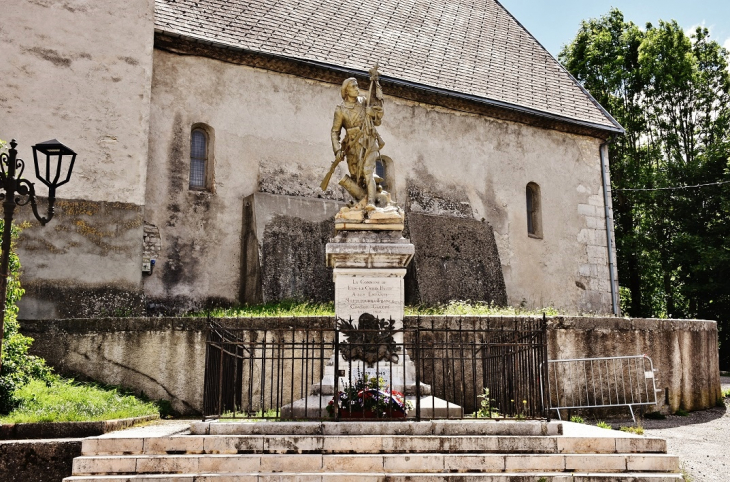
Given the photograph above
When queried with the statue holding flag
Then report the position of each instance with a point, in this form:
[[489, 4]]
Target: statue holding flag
[[359, 116]]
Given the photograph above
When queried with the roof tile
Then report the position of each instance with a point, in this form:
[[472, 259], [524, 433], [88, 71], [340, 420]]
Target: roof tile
[[473, 47]]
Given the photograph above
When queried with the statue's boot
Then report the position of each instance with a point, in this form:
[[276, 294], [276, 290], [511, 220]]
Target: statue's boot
[[372, 194], [351, 186]]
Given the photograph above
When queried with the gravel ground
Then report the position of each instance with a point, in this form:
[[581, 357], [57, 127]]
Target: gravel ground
[[700, 439]]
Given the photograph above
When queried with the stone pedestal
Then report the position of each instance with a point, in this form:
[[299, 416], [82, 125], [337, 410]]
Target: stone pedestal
[[368, 270]]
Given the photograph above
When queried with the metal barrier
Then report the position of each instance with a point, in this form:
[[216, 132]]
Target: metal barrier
[[601, 383], [492, 371]]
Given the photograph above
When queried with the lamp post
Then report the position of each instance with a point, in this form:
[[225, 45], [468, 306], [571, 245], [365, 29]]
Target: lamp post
[[19, 192]]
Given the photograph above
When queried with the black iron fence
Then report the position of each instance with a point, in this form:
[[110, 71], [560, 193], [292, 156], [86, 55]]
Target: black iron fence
[[372, 370]]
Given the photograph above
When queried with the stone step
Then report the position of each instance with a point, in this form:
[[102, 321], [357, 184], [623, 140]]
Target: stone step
[[371, 444], [389, 477], [370, 463], [432, 427]]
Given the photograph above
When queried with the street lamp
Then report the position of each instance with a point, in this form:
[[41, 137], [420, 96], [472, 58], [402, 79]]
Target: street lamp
[[19, 192]]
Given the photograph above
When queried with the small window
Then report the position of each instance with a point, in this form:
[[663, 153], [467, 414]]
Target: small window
[[199, 158], [380, 172], [384, 168], [534, 217]]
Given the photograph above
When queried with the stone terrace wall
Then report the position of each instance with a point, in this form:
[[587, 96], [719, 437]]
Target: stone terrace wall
[[165, 357]]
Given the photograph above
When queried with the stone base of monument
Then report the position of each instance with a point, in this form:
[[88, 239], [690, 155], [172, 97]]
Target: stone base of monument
[[438, 450], [431, 408], [400, 376]]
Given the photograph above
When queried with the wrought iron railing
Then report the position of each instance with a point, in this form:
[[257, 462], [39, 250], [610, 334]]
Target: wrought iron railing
[[492, 369]]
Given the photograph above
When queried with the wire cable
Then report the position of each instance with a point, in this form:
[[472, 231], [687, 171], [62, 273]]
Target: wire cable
[[674, 188]]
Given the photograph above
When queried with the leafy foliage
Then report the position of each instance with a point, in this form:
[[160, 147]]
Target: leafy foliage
[[671, 92], [486, 406], [577, 419], [18, 367]]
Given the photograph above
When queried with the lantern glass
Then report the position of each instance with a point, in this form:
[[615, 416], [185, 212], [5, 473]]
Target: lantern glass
[[50, 170]]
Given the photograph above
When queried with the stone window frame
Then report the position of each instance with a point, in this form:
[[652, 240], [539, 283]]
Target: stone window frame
[[208, 161], [389, 175], [533, 205]]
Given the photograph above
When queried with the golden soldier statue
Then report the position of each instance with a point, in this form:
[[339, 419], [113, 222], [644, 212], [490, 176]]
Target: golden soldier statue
[[359, 116], [361, 144]]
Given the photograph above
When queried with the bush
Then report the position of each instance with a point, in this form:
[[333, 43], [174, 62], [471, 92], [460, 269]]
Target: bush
[[18, 367]]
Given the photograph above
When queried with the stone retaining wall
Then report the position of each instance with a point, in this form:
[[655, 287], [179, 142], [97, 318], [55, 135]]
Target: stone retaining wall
[[37, 460], [165, 357], [56, 430]]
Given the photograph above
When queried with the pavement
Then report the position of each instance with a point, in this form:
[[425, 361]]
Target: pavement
[[700, 439], [156, 428]]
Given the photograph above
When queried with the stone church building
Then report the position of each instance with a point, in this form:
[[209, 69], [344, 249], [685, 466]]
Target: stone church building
[[202, 129]]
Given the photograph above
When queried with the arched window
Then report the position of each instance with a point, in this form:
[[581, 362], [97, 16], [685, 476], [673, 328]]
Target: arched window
[[199, 158], [384, 168], [534, 215], [380, 171]]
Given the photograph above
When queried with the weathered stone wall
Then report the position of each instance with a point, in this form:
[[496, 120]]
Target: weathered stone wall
[[456, 259], [272, 135], [86, 262], [284, 239], [165, 357], [284, 248], [684, 351], [38, 460], [63, 78]]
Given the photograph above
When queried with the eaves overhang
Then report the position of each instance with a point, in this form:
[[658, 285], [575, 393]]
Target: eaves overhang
[[330, 73]]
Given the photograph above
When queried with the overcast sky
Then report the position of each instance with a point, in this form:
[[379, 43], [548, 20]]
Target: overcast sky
[[554, 23]]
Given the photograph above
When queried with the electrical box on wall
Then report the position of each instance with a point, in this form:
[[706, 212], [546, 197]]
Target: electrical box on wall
[[148, 265]]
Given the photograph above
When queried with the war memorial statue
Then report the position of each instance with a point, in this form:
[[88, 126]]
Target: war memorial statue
[[360, 146], [368, 257]]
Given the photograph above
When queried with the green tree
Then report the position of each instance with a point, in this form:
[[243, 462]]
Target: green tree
[[671, 92], [18, 367], [604, 57]]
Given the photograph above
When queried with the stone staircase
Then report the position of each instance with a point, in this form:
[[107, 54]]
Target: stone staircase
[[494, 451]]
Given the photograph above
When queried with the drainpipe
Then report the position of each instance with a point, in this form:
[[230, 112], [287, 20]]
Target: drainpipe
[[603, 151]]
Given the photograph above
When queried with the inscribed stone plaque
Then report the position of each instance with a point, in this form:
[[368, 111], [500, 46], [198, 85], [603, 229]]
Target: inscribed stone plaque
[[378, 292]]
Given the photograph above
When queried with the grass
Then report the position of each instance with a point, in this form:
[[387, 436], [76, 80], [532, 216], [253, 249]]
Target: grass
[[685, 474], [290, 308], [281, 309], [681, 412], [602, 424], [259, 416], [68, 401], [476, 308], [577, 419], [726, 393], [638, 430]]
